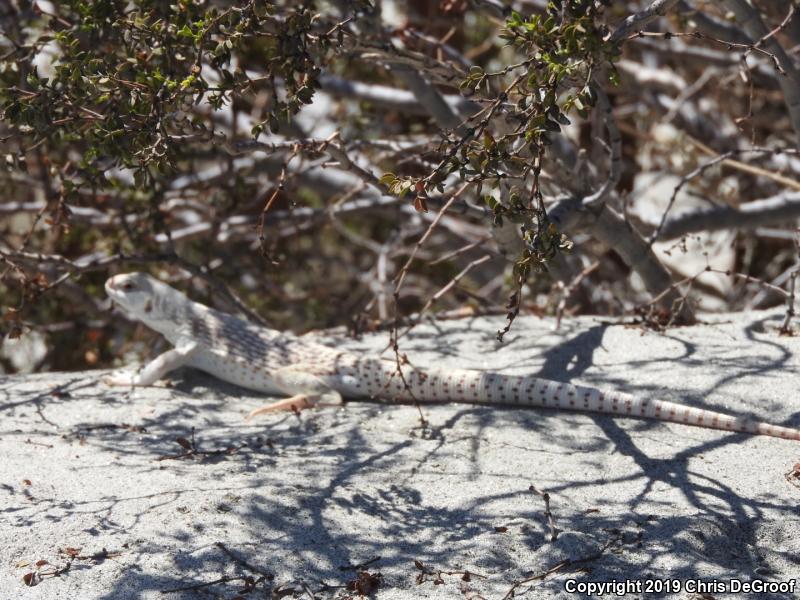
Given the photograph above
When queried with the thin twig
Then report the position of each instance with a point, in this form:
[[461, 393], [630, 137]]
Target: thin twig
[[199, 586], [547, 513]]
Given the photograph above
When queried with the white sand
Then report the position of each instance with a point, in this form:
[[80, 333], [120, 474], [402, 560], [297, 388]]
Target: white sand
[[300, 498]]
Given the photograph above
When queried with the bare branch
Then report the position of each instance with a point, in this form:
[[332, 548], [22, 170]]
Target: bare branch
[[430, 98], [725, 159], [570, 215], [388, 97], [711, 26], [776, 209], [615, 142], [640, 20], [751, 21]]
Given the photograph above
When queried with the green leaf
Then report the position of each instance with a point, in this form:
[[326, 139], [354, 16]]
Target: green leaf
[[188, 81], [537, 121], [388, 178]]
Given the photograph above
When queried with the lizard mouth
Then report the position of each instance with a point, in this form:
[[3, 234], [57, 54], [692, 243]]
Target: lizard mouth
[[115, 295], [116, 285], [111, 292]]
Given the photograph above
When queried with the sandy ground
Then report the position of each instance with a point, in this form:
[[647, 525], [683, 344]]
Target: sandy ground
[[131, 494]]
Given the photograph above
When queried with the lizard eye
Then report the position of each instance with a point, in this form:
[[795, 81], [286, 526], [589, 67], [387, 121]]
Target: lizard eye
[[128, 286]]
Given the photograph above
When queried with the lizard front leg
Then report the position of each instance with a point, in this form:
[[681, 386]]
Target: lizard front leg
[[156, 368], [307, 391]]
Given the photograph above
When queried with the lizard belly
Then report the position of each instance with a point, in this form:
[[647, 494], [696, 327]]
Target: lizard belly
[[236, 370]]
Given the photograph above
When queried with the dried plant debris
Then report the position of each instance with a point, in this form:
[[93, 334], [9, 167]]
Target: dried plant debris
[[437, 576], [43, 569]]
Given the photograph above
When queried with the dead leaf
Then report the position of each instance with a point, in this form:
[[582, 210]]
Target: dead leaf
[[365, 583]]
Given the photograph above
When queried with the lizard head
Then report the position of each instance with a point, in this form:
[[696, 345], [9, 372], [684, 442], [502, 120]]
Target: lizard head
[[143, 297]]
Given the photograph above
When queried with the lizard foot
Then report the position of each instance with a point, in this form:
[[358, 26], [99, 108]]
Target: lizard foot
[[121, 379], [300, 402], [295, 403]]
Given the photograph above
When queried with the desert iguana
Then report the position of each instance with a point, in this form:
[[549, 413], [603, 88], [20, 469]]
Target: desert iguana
[[269, 361]]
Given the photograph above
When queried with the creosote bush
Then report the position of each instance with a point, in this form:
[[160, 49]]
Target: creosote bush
[[354, 163]]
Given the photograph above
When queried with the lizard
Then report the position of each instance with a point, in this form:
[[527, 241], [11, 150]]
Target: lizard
[[310, 374]]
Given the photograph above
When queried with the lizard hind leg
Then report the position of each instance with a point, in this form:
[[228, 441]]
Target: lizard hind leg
[[307, 391]]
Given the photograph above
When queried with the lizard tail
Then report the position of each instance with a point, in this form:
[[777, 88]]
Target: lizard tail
[[476, 387]]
